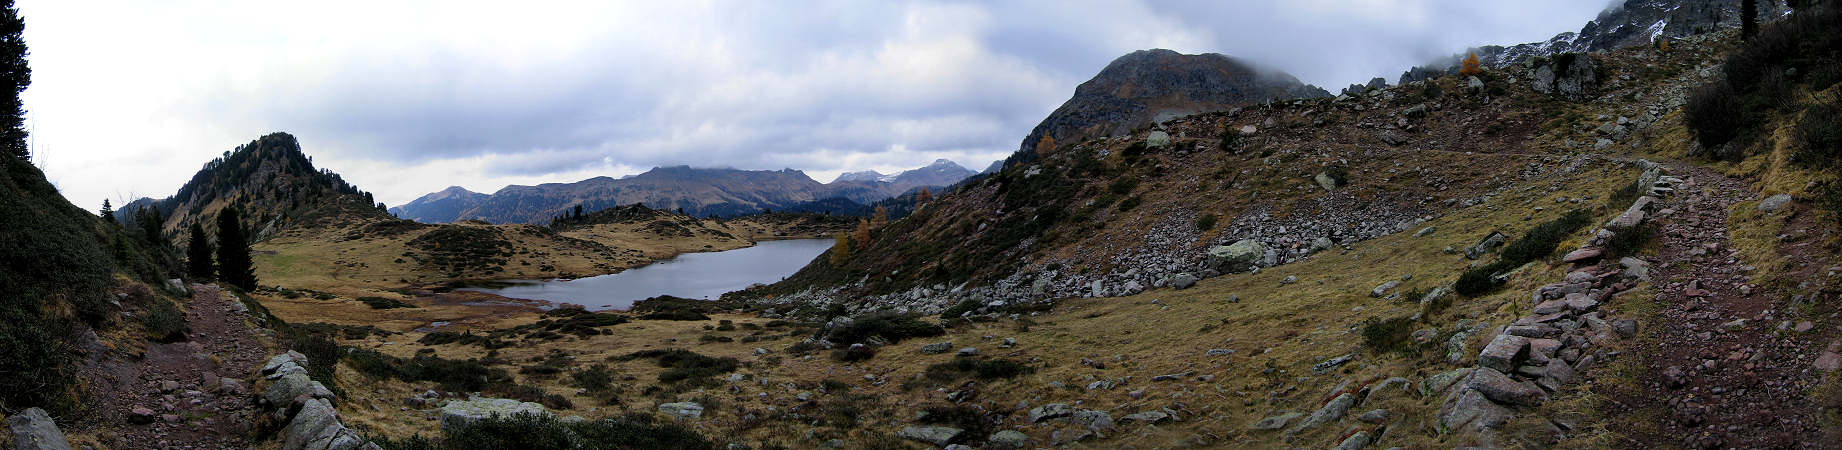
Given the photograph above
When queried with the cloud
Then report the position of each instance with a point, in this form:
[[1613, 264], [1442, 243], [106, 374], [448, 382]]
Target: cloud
[[133, 97]]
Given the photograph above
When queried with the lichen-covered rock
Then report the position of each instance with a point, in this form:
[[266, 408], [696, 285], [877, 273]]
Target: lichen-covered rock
[[1331, 411], [1050, 411], [1274, 422], [1007, 440], [936, 435], [682, 410], [34, 430], [459, 413], [1237, 257]]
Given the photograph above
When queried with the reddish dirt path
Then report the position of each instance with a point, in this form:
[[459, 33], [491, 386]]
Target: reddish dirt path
[[181, 383], [1722, 383]]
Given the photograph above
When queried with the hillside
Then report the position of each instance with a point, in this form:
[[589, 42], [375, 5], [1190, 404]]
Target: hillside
[[271, 181], [1151, 85], [695, 191]]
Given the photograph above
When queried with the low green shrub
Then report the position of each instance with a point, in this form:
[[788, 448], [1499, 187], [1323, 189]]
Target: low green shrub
[[888, 326], [1387, 335], [854, 353], [1629, 242], [685, 365], [165, 322], [466, 338], [960, 309], [1540, 241], [1129, 203], [595, 378], [1480, 281], [547, 432], [384, 303], [1205, 222]]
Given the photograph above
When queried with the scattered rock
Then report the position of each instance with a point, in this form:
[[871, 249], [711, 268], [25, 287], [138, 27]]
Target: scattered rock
[[1775, 202], [1485, 246], [1050, 411], [33, 429], [1007, 440], [1502, 389], [682, 410], [1331, 411], [1274, 422], [1503, 352], [968, 351], [937, 348], [463, 412], [936, 435], [1147, 417]]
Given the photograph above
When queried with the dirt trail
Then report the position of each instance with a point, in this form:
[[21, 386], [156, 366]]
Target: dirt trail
[[186, 395], [1718, 363]]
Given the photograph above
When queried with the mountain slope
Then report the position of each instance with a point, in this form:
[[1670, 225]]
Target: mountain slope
[[442, 206], [271, 181], [1147, 85]]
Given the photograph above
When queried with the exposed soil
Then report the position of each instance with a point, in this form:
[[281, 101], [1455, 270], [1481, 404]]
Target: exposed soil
[[182, 383], [1721, 362]]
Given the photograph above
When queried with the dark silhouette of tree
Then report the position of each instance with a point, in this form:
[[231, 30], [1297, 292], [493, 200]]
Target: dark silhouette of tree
[[198, 256], [1749, 19], [15, 75], [578, 211], [107, 213], [151, 225], [233, 263]]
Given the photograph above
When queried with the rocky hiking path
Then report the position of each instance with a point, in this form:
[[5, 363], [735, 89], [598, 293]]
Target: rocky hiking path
[[187, 395], [1719, 364]]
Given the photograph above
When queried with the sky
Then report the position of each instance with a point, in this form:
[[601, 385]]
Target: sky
[[403, 98]]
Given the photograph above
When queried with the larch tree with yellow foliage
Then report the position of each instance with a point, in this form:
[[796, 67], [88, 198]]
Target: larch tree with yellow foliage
[[1045, 146], [840, 250], [1470, 66], [863, 233], [923, 197], [881, 218]]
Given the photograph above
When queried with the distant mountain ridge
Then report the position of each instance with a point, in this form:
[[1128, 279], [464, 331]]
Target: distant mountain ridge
[[695, 191], [1634, 22], [1149, 85]]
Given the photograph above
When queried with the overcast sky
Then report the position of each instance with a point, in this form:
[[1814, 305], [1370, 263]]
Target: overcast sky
[[407, 97]]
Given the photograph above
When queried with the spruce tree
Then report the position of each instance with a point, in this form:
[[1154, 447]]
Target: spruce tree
[[107, 213], [15, 75], [233, 263], [1749, 19], [198, 256]]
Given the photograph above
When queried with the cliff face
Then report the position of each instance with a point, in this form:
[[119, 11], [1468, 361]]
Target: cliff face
[[1151, 85]]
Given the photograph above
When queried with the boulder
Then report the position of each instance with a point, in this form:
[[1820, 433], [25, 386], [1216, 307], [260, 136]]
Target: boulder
[[1147, 417], [33, 429], [1007, 440], [1361, 439], [1474, 86], [1325, 181], [1775, 202], [1470, 409], [936, 435], [1484, 246], [1332, 410], [1503, 352], [1582, 255], [463, 412], [141, 415], [937, 348], [1383, 289], [293, 385], [1183, 281], [1501, 388], [1050, 411], [1571, 75], [1274, 422], [1157, 139], [1094, 420], [1439, 382], [682, 410], [1237, 257], [317, 426], [1391, 138]]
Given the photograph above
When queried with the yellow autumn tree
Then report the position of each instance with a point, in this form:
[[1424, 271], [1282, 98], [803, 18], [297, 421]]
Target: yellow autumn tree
[[1470, 66], [863, 233], [1045, 146], [881, 218], [840, 250], [923, 197]]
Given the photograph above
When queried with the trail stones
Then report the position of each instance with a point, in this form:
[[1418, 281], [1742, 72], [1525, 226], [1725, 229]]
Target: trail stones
[[1485, 246], [1237, 257], [1093, 420], [1583, 255], [682, 410], [1274, 422], [930, 434], [34, 430], [1503, 352]]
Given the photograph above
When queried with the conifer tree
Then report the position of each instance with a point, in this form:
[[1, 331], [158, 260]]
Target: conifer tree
[[107, 213], [1749, 19], [923, 197], [198, 256], [881, 218], [233, 263], [863, 233], [15, 75]]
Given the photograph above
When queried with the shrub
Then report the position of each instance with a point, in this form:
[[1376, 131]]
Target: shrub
[[1122, 185], [1129, 203], [1628, 242], [165, 322], [1230, 140], [1338, 174], [467, 338], [547, 432], [686, 365], [531, 394], [983, 369], [595, 378], [1481, 280], [854, 353], [452, 375], [384, 303], [978, 425], [888, 326], [1387, 335], [1820, 136], [1540, 241], [1715, 113], [1205, 222]]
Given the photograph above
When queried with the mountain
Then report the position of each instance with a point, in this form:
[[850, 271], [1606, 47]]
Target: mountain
[[271, 181], [1154, 85], [695, 191], [1632, 23], [867, 175], [442, 206]]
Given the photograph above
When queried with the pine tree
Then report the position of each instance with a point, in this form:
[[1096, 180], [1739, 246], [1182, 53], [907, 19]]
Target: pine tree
[[198, 256], [840, 250], [107, 213], [1749, 19], [578, 211], [15, 75], [1470, 65], [233, 263], [151, 225]]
